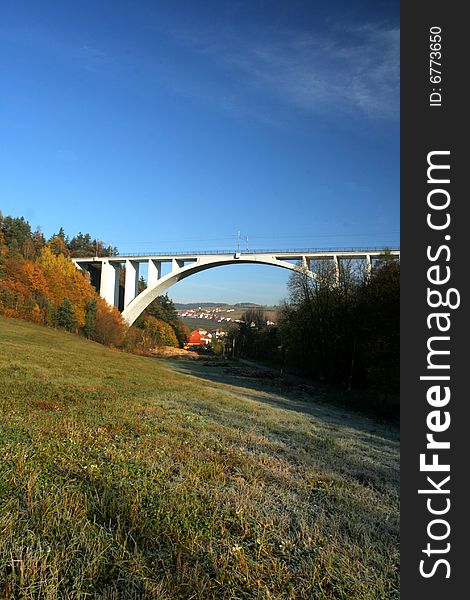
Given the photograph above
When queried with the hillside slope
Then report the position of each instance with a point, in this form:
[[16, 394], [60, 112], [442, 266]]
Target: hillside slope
[[123, 479]]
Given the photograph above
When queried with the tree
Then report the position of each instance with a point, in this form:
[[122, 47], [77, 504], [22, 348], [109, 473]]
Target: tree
[[254, 338], [141, 285], [84, 245], [217, 347], [133, 340], [318, 325], [16, 235], [39, 241], [158, 333], [65, 316], [380, 308], [162, 308], [61, 235], [254, 318], [110, 328], [90, 318], [57, 246], [343, 325], [39, 281], [182, 332], [65, 280]]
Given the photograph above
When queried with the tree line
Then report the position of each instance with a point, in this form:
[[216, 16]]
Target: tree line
[[39, 282], [340, 327]]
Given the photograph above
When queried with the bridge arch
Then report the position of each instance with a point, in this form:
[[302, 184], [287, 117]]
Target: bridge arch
[[104, 271], [135, 308]]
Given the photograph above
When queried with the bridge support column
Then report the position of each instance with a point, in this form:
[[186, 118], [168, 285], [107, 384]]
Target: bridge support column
[[368, 265], [131, 287], [176, 264], [154, 272], [336, 269], [109, 288]]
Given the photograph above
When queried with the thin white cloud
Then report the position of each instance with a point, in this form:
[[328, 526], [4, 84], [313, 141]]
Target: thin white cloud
[[350, 70]]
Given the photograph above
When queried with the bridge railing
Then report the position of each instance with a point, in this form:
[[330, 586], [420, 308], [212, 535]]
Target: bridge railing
[[264, 251]]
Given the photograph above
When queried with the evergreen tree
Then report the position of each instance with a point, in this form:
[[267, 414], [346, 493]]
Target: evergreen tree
[[142, 285], [84, 245], [90, 318], [50, 314], [162, 308], [65, 316], [38, 240], [16, 235]]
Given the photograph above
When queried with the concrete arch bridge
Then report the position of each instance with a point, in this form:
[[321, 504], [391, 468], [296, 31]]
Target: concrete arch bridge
[[105, 271]]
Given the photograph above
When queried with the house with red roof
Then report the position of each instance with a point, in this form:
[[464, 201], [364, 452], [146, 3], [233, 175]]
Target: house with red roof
[[199, 338]]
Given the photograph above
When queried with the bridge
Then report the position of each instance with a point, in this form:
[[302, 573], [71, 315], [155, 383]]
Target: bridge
[[105, 271]]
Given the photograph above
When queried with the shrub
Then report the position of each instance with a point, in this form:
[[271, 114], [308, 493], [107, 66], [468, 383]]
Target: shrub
[[158, 333], [133, 340], [110, 328], [218, 347]]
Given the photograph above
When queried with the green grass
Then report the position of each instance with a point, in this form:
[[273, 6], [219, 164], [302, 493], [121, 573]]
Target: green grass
[[122, 478]]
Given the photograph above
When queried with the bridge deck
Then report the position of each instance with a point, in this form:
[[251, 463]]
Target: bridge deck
[[282, 254]]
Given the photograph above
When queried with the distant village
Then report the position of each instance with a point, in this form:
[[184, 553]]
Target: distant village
[[212, 313], [225, 316], [201, 337]]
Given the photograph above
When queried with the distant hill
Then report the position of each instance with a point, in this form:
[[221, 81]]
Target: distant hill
[[248, 305], [189, 305]]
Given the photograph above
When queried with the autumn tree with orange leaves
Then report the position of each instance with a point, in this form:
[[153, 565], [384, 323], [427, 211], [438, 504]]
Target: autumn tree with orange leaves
[[39, 282]]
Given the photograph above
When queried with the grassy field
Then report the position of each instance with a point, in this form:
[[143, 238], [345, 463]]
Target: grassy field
[[122, 478]]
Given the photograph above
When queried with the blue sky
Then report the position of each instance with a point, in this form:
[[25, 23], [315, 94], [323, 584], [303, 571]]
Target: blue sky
[[172, 125]]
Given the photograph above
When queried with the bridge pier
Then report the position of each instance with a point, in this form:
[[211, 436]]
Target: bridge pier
[[131, 287], [336, 269], [154, 271], [109, 288]]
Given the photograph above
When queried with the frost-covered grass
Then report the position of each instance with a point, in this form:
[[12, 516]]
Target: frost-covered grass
[[122, 478]]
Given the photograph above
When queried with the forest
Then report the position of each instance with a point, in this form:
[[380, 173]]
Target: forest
[[40, 283]]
